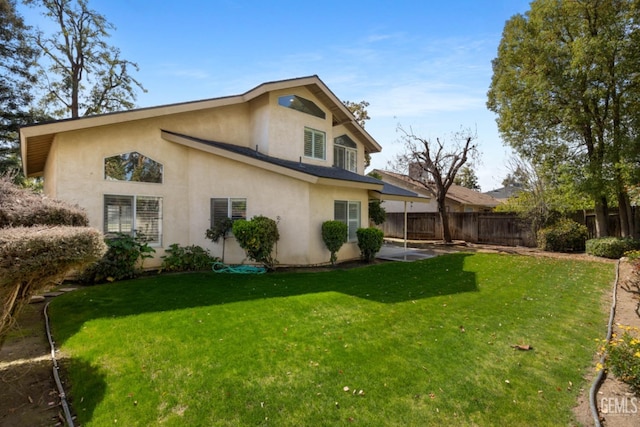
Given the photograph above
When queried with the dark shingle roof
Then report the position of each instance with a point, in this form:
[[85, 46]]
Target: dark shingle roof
[[314, 170], [318, 171]]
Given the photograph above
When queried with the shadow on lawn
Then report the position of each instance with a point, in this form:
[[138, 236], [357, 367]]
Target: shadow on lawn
[[385, 283], [88, 384]]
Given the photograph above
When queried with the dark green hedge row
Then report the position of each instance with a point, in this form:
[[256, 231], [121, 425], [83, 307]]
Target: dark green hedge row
[[563, 236], [611, 247]]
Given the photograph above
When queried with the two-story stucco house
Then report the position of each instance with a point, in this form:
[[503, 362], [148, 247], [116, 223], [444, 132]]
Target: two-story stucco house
[[288, 150]]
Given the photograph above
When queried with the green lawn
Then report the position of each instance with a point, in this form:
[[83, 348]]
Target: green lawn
[[423, 343]]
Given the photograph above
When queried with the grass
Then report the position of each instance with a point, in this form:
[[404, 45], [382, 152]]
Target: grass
[[423, 343]]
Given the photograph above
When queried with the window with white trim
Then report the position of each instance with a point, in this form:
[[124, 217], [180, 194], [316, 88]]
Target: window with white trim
[[134, 214], [315, 145], [345, 153], [349, 213], [223, 207]]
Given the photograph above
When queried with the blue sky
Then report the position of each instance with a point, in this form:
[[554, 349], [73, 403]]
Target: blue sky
[[424, 64]]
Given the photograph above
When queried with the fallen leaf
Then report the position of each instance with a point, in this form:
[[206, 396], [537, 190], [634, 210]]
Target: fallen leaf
[[523, 347]]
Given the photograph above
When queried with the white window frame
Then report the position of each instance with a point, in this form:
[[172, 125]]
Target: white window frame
[[351, 214], [315, 134], [234, 209], [349, 159], [136, 218]]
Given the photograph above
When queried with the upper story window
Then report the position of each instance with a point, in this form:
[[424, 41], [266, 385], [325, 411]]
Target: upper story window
[[315, 144], [300, 104], [134, 167], [345, 153]]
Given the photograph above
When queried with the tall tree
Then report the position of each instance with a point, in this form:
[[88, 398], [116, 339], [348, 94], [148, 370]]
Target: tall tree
[[85, 75], [439, 162], [467, 178], [547, 191], [566, 76], [17, 58]]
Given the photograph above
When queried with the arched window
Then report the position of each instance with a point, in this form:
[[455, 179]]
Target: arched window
[[134, 167], [298, 103]]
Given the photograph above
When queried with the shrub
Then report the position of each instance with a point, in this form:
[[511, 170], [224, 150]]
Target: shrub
[[334, 235], [611, 247], [186, 258], [623, 358], [369, 241], [220, 229], [377, 214], [563, 236], [41, 241], [257, 237], [124, 259]]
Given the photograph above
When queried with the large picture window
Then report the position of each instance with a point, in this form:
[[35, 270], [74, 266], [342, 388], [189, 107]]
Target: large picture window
[[314, 144], [222, 207], [349, 213], [134, 214], [134, 167]]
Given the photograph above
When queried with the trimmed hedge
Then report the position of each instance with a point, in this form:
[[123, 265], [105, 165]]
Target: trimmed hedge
[[369, 241], [611, 247], [563, 236], [334, 235], [21, 207], [258, 237], [32, 258], [41, 241]]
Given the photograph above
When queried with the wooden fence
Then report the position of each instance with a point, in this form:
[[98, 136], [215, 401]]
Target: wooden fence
[[473, 227], [492, 228]]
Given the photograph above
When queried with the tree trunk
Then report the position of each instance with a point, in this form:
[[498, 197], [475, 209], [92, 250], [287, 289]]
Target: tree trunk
[[444, 221], [602, 217], [624, 215]]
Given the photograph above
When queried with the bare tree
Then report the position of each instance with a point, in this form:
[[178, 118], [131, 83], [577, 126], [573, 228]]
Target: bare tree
[[84, 75], [430, 162]]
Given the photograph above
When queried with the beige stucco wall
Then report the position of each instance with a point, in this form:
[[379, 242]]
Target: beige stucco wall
[[75, 173]]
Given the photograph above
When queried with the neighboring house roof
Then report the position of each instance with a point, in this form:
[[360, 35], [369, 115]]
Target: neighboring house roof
[[505, 192], [36, 140], [456, 193], [303, 171]]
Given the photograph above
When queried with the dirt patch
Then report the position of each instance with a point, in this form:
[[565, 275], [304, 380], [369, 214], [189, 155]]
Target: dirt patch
[[616, 403], [28, 395]]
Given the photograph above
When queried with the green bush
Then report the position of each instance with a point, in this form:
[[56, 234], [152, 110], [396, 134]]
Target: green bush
[[258, 237], [611, 247], [334, 235], [563, 236], [369, 241], [623, 357], [124, 259], [377, 214], [186, 258]]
